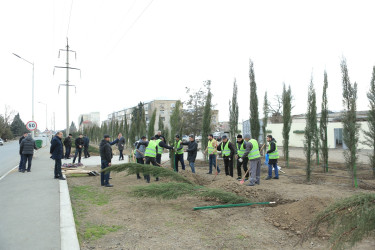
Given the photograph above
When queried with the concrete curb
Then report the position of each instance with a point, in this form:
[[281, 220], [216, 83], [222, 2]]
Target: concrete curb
[[69, 239]]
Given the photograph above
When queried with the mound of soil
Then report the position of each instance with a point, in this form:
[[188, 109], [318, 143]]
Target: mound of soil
[[298, 215]]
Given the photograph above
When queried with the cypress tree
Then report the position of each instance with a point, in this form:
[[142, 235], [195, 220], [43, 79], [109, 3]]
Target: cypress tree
[[175, 124], [311, 128], [151, 125], [233, 113], [126, 129], [207, 115], [254, 114], [17, 126], [287, 121], [370, 134], [349, 120], [265, 119], [323, 125], [161, 125]]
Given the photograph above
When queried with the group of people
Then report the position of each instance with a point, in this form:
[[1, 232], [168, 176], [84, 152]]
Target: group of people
[[81, 142]]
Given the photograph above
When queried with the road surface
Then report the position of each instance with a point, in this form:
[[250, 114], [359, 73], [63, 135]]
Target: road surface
[[9, 156]]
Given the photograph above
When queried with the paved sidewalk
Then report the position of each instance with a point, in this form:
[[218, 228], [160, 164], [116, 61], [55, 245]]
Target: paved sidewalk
[[30, 207]]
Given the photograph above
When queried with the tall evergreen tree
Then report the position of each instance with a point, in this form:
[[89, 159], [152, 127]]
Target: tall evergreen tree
[[193, 112], [207, 115], [161, 126], [151, 125], [126, 129], [73, 128], [287, 120], [233, 113], [370, 134], [175, 124], [349, 121], [311, 128], [265, 119], [17, 126], [142, 120], [323, 125], [254, 113]]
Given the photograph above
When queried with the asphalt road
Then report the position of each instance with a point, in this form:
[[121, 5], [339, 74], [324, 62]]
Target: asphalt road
[[9, 156]]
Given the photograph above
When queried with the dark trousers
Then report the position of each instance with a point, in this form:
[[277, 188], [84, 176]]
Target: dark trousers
[[67, 152], [79, 153], [86, 151], [179, 158], [21, 162], [58, 168], [153, 162], [121, 157], [158, 158], [273, 163], [239, 167], [212, 162], [26, 158], [140, 161], [104, 177], [228, 166]]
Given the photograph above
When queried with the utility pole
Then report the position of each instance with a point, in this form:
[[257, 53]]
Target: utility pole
[[67, 85]]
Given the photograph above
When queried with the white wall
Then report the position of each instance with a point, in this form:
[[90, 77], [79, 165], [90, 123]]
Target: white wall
[[296, 140]]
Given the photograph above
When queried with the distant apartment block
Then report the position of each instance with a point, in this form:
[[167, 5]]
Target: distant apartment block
[[89, 120]]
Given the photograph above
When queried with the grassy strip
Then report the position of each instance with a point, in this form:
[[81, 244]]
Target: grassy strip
[[134, 168], [97, 231], [173, 190], [88, 194]]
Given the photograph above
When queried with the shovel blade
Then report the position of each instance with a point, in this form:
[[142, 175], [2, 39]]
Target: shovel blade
[[242, 181]]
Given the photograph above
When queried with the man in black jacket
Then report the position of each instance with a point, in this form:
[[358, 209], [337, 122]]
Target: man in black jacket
[[56, 151], [192, 151], [68, 146], [228, 151], [21, 158], [120, 146], [27, 147], [86, 142], [106, 158], [79, 145]]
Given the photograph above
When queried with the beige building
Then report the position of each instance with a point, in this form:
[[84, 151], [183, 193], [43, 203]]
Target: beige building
[[89, 120]]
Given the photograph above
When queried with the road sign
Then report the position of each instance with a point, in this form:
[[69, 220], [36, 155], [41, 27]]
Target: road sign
[[31, 125]]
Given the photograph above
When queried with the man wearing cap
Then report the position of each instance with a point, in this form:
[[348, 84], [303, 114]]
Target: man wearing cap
[[178, 154], [106, 158], [253, 154], [68, 146], [161, 145], [241, 148], [212, 153], [192, 151], [227, 151], [79, 145]]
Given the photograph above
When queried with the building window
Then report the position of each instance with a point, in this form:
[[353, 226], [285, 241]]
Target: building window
[[163, 119], [161, 112]]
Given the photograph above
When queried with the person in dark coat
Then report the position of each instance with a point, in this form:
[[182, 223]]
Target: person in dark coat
[[56, 151], [27, 147], [106, 159], [21, 159], [86, 143], [192, 151], [228, 151], [79, 145], [120, 146], [68, 146]]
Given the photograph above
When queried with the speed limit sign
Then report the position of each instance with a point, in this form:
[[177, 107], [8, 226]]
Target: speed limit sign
[[31, 125]]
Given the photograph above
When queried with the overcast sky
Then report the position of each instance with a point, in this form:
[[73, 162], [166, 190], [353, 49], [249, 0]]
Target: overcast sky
[[139, 50]]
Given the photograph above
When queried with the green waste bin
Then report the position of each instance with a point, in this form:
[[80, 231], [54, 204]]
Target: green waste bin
[[39, 143]]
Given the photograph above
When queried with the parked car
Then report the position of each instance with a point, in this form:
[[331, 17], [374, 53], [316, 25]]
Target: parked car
[[185, 138], [198, 138], [1, 142]]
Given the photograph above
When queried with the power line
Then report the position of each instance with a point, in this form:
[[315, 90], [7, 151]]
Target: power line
[[70, 14], [130, 27]]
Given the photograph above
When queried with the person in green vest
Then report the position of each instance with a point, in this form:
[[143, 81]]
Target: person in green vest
[[150, 154], [241, 148], [273, 155], [227, 151], [178, 154], [212, 153], [161, 145], [253, 154]]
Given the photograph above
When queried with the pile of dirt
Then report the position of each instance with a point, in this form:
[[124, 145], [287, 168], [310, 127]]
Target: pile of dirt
[[298, 215], [195, 178]]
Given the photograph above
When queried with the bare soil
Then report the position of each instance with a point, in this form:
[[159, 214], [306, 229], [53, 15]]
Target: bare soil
[[172, 224]]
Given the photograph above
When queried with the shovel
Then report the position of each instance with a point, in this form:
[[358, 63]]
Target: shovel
[[243, 178]]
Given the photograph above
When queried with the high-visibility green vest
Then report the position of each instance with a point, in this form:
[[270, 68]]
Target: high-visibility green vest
[[151, 149], [226, 150], [274, 154], [241, 150], [177, 145], [211, 148], [160, 149], [254, 153]]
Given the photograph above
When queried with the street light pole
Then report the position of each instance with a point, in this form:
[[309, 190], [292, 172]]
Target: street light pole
[[32, 105]]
